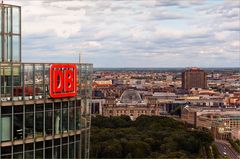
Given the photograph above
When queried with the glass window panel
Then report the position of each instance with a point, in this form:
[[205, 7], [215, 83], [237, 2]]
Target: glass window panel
[[39, 154], [18, 155], [6, 110], [29, 147], [83, 144], [71, 150], [48, 106], [17, 148], [57, 118], [1, 59], [78, 103], [39, 107], [71, 138], [48, 143], [46, 78], [7, 17], [65, 117], [18, 122], [29, 108], [28, 80], [17, 83], [6, 127], [48, 153], [9, 20], [6, 152], [0, 20], [39, 77], [6, 123], [71, 118], [56, 142], [78, 118], [56, 148], [77, 137], [16, 48], [28, 154], [64, 140], [38, 145], [6, 83], [16, 20], [39, 122], [65, 151], [48, 119], [29, 121], [57, 152], [77, 149], [8, 47], [57, 105], [65, 105], [71, 104]]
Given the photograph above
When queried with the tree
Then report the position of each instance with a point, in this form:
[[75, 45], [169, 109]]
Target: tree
[[146, 137]]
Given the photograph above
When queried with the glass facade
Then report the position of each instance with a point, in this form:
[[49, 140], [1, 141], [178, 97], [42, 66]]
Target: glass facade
[[28, 81], [32, 124], [10, 28]]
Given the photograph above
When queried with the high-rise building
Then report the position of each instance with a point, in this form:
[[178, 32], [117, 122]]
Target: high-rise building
[[194, 78], [44, 107]]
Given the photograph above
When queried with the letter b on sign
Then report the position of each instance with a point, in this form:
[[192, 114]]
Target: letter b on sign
[[63, 80]]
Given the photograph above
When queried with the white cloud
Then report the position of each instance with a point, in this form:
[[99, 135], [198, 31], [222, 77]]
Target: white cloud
[[149, 32]]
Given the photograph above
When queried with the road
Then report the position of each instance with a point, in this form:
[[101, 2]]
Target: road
[[225, 149]]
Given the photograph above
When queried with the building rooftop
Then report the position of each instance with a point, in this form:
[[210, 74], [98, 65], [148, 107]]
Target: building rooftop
[[130, 96]]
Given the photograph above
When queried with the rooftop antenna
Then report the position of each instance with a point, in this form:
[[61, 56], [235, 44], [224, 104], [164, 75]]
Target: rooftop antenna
[[80, 57]]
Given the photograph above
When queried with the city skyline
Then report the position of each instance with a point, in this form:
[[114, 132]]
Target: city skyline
[[133, 34]]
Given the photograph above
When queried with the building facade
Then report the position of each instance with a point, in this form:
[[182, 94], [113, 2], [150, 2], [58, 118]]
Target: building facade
[[222, 121], [132, 105], [194, 78], [33, 122]]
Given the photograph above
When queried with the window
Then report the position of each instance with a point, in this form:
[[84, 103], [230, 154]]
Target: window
[[39, 120], [6, 123], [48, 119], [79, 124], [16, 48], [18, 122], [17, 151], [29, 121], [65, 147], [6, 83], [65, 117], [57, 148], [57, 118], [29, 150], [39, 90], [28, 81], [72, 115], [48, 150], [16, 20], [6, 152]]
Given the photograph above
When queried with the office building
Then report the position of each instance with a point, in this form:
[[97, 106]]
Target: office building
[[44, 107], [194, 78]]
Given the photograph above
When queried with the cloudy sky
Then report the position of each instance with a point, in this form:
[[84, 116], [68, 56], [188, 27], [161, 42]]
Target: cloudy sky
[[140, 33]]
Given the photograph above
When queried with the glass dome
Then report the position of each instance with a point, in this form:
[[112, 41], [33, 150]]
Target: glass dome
[[130, 96]]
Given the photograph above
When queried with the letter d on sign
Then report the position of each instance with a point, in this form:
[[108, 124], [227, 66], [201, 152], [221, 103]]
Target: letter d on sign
[[58, 81]]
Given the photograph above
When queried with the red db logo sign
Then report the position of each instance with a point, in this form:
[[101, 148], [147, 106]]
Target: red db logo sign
[[63, 80]]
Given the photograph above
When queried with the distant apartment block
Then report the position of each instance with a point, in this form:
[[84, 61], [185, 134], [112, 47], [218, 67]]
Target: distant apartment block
[[194, 78]]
